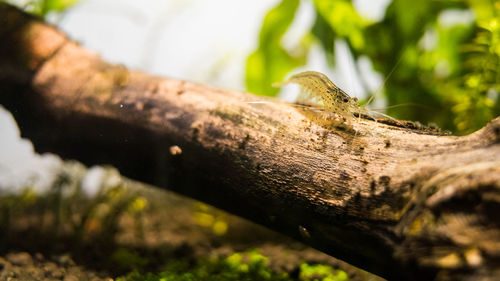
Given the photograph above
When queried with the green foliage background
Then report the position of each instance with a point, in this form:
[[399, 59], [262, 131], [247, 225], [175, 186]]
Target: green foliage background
[[455, 82], [42, 7]]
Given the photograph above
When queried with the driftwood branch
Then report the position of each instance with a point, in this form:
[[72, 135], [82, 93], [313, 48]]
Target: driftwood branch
[[402, 203]]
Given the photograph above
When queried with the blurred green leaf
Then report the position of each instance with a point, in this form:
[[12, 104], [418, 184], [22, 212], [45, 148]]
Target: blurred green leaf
[[43, 7], [326, 36], [57, 5], [409, 16], [344, 20], [271, 62]]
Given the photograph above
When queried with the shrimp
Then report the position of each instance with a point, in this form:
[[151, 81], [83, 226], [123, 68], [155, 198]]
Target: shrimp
[[334, 99]]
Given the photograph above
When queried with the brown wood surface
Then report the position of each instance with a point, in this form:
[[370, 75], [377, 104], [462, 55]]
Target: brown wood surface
[[399, 202]]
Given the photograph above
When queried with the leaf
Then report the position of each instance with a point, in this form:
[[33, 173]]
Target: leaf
[[271, 62], [43, 7], [344, 20], [59, 5], [326, 36]]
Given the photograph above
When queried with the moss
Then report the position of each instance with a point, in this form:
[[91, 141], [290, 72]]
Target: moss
[[239, 266], [321, 272]]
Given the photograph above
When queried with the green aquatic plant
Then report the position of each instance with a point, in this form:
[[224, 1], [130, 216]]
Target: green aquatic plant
[[246, 266], [43, 7], [271, 61], [66, 210], [239, 266], [319, 272], [211, 218], [439, 58]]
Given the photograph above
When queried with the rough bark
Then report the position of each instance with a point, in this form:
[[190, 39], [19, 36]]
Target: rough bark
[[402, 203]]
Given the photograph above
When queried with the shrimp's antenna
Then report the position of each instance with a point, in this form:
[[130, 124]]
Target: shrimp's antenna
[[352, 70], [403, 104], [385, 80]]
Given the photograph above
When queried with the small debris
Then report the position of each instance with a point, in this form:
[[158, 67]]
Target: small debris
[[175, 150], [387, 143], [473, 257], [304, 232], [449, 261], [384, 180]]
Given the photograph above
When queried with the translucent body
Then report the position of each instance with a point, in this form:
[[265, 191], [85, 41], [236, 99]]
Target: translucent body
[[334, 99]]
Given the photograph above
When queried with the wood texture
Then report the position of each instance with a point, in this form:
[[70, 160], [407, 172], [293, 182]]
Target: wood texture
[[402, 203]]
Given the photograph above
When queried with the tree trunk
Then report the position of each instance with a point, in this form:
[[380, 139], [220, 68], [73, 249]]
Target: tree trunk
[[400, 202]]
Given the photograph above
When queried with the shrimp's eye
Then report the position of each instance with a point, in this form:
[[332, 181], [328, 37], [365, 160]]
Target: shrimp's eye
[[345, 100]]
